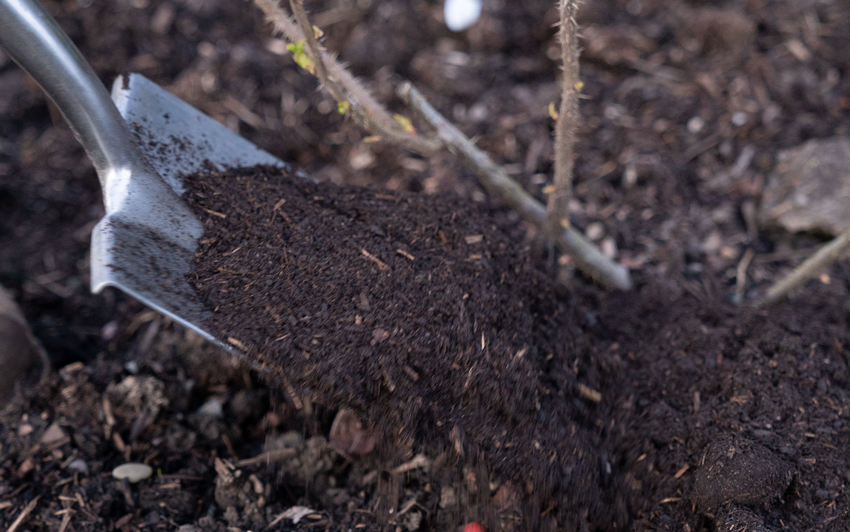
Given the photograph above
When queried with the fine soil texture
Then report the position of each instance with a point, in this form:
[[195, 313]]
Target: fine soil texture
[[420, 313], [392, 304]]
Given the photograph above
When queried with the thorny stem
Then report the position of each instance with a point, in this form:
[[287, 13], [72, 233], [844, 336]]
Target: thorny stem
[[342, 86], [808, 269], [497, 182], [567, 121], [371, 115], [313, 49]]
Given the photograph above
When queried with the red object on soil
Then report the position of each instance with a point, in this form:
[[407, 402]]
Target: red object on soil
[[473, 527]]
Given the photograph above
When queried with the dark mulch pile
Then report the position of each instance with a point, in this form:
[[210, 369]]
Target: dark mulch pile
[[700, 373], [425, 314], [448, 333]]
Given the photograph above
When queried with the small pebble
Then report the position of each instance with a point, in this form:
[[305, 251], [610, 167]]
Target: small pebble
[[109, 331], [133, 472], [595, 231], [53, 434], [739, 118], [695, 124], [211, 408], [79, 466], [461, 14]]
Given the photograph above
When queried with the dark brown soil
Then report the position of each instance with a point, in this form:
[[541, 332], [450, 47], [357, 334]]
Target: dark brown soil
[[425, 314], [677, 94]]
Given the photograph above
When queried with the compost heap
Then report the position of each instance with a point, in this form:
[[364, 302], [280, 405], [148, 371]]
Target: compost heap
[[424, 314]]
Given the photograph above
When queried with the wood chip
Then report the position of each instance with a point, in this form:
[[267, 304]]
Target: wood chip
[[589, 393], [410, 372], [236, 343], [405, 254], [124, 520], [209, 211], [407, 506], [23, 515], [268, 457], [66, 520], [381, 264], [290, 391], [420, 460]]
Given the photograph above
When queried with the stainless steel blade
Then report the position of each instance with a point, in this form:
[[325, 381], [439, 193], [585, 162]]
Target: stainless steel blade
[[139, 247]]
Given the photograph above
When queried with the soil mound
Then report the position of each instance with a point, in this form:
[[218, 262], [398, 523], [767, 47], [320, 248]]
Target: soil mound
[[422, 313]]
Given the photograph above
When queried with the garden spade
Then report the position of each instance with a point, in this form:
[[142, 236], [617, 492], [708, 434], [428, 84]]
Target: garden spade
[[141, 141]]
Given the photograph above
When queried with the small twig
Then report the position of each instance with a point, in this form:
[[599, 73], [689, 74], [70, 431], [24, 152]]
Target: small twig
[[567, 122], [236, 343], [811, 267], [741, 274], [407, 506], [23, 515], [229, 446], [370, 114], [313, 48], [268, 457], [405, 254], [589, 393], [497, 182], [290, 390], [277, 520], [336, 79], [381, 264], [420, 460], [66, 520]]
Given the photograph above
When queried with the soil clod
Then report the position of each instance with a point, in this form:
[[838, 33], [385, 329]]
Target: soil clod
[[452, 342], [739, 471]]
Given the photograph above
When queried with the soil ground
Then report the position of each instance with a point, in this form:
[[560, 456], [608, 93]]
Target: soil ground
[[709, 415]]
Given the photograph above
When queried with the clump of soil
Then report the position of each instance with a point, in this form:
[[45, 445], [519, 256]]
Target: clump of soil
[[739, 471], [426, 316], [420, 312]]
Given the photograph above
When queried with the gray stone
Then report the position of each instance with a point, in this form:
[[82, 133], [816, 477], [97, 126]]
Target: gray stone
[[133, 472], [809, 189]]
